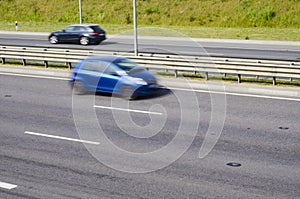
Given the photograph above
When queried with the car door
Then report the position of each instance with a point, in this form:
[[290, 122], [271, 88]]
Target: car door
[[87, 76], [99, 75], [108, 77], [76, 33], [67, 34]]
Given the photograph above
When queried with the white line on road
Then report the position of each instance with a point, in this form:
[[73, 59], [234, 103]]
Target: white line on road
[[61, 138], [129, 110], [35, 76], [237, 94], [8, 186]]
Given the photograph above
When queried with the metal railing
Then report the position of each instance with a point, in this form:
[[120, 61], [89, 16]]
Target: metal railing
[[176, 63]]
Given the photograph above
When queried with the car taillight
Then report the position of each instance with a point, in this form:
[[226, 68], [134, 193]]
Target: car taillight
[[94, 34]]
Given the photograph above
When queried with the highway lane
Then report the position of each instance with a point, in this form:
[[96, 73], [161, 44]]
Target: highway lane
[[260, 134], [169, 45]]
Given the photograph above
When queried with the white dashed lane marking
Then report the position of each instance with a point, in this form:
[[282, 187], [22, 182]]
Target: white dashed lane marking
[[8, 186], [128, 110], [61, 138]]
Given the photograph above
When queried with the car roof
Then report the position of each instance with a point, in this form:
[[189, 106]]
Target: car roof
[[84, 25]]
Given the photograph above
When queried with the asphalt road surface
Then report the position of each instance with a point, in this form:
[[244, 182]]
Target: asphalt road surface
[[49, 147], [178, 45]]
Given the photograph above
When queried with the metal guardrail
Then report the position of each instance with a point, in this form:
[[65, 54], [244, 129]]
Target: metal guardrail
[[206, 65]]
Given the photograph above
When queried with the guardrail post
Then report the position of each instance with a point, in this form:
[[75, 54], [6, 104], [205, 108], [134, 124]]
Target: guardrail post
[[24, 62], [206, 76], [176, 73], [274, 81], [239, 78], [69, 64], [3, 60], [16, 25], [46, 64]]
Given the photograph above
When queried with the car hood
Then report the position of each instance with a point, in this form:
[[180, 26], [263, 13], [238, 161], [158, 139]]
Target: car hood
[[143, 74], [55, 32]]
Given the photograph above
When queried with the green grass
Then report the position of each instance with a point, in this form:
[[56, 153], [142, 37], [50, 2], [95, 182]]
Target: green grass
[[228, 19], [34, 64], [276, 34], [208, 13]]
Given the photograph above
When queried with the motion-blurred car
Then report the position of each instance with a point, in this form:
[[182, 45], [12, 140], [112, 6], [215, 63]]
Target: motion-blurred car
[[81, 33], [113, 74]]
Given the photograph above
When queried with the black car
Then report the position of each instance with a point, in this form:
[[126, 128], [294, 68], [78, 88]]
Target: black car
[[81, 33]]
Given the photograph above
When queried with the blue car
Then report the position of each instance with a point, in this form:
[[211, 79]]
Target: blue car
[[113, 74]]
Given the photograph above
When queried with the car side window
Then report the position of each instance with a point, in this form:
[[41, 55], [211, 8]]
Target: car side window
[[83, 29], [106, 67], [76, 29], [89, 29], [98, 66], [69, 29], [79, 29], [86, 66]]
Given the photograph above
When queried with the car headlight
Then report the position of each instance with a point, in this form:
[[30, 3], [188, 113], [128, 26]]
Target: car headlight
[[136, 80], [140, 81]]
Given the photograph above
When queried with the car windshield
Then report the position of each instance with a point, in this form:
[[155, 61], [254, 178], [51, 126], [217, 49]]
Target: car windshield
[[128, 65]]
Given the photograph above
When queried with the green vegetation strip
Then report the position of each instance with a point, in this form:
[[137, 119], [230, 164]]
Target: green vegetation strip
[[275, 34], [227, 19]]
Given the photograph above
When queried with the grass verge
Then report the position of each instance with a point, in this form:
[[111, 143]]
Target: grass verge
[[278, 34], [17, 63]]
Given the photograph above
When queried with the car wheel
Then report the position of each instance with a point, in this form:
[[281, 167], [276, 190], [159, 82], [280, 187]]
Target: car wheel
[[128, 93], [53, 39], [78, 88], [84, 41]]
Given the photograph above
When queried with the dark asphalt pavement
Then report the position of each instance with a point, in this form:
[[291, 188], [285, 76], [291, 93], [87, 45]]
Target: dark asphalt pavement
[[261, 134], [256, 49]]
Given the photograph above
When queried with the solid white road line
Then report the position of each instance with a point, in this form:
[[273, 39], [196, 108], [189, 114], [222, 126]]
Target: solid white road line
[[129, 110], [34, 76], [8, 186], [61, 138], [237, 94]]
